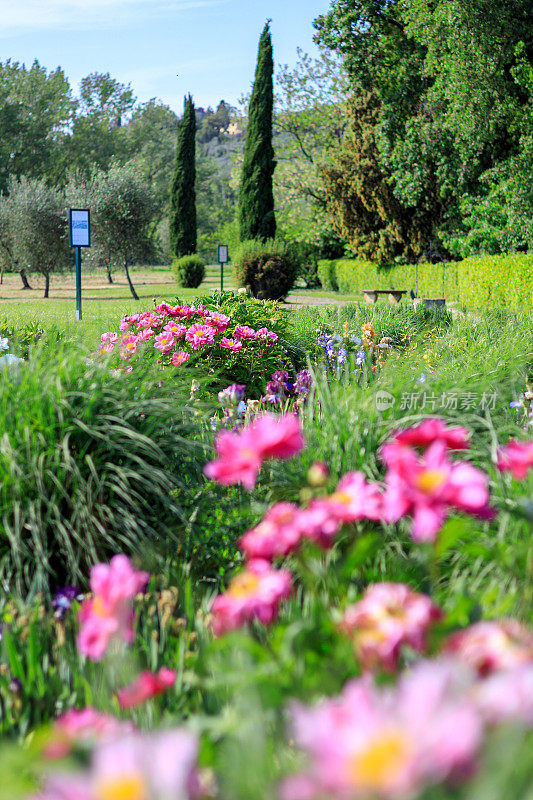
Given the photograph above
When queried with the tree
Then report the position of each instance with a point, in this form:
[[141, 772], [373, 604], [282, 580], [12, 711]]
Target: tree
[[183, 192], [123, 214], [360, 199], [36, 227], [256, 197]]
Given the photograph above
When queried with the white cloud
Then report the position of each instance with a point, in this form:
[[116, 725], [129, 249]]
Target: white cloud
[[27, 15]]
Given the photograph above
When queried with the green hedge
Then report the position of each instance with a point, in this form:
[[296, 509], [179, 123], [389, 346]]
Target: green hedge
[[327, 275], [505, 280]]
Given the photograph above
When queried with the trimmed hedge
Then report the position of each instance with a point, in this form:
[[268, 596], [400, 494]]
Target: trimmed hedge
[[189, 271], [327, 275], [505, 280]]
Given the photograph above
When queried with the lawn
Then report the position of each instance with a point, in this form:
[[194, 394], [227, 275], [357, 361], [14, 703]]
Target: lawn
[[360, 552]]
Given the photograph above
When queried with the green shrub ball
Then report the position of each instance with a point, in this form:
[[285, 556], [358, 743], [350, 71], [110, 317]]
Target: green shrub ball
[[189, 271]]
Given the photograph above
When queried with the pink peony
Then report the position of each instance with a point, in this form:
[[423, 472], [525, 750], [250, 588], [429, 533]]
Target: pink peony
[[253, 594], [128, 346], [149, 320], [516, 458], [110, 337], [277, 535], [506, 696], [244, 332], [135, 767], [389, 616], [430, 486], [242, 454], [108, 614], [200, 336], [218, 320], [354, 499], [231, 344], [175, 329], [163, 309], [146, 334], [388, 743], [490, 646], [318, 524], [82, 726], [164, 342], [146, 686], [432, 430], [180, 358]]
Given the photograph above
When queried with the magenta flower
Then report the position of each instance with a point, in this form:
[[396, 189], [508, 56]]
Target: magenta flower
[[149, 320], [146, 686], [490, 646], [389, 743], [277, 535], [355, 499], [389, 616], [431, 430], [164, 309], [86, 725], [180, 358], [165, 342], [241, 455], [200, 335], [218, 320], [254, 594], [108, 615], [318, 524], [128, 346], [175, 329], [429, 487], [235, 345], [516, 458], [244, 332]]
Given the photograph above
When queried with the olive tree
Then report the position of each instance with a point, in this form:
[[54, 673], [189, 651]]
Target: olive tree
[[123, 213], [34, 229]]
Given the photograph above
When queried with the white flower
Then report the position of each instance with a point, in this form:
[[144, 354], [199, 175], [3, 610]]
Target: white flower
[[4, 344], [10, 361]]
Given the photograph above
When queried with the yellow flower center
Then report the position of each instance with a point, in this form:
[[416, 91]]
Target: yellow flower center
[[378, 764], [430, 479], [342, 497], [127, 787], [130, 345], [98, 607], [244, 585]]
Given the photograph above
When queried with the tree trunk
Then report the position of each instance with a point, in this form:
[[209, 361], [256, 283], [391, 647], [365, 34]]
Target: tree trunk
[[109, 276], [46, 284], [25, 284], [130, 284]]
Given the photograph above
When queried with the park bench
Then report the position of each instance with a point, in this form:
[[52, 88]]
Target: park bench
[[371, 295]]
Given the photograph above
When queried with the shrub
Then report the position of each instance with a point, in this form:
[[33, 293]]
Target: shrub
[[327, 276], [189, 271], [266, 270], [304, 256]]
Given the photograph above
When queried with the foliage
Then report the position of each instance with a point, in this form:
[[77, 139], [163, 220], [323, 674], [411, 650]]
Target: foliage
[[183, 190], [123, 213], [266, 269], [479, 281], [245, 310], [304, 255], [256, 199], [189, 271], [35, 228], [327, 275]]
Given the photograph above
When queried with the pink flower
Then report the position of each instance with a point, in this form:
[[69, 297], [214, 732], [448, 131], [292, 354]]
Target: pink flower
[[164, 309], [516, 458], [180, 358], [506, 696], [231, 344], [277, 535], [241, 455], [388, 743], [432, 430], [85, 725], [490, 646], [149, 320], [146, 686], [218, 320], [112, 338], [244, 332], [164, 342], [200, 335], [108, 614], [128, 346], [389, 616], [135, 767], [319, 524], [253, 594], [146, 334], [354, 499], [175, 329], [107, 347], [430, 486]]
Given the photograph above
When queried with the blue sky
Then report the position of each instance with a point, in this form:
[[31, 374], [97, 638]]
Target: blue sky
[[165, 48]]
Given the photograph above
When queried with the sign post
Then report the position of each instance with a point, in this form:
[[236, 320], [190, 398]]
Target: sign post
[[79, 234], [223, 258]]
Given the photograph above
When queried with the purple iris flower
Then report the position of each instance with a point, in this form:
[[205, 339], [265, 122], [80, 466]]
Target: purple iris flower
[[64, 599]]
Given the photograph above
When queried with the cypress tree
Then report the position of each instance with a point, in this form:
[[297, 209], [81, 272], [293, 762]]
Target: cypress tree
[[256, 198], [183, 193]]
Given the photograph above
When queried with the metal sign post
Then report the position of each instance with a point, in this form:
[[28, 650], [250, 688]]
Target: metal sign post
[[223, 258], [79, 234]]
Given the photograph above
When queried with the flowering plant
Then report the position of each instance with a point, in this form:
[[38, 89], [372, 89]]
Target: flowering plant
[[350, 353]]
